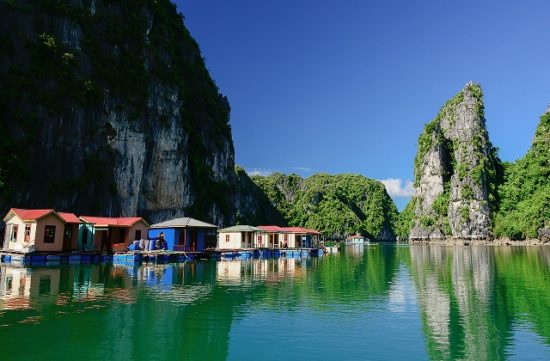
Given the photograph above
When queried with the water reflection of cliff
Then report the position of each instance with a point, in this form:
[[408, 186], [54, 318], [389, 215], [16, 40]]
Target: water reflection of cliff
[[470, 297]]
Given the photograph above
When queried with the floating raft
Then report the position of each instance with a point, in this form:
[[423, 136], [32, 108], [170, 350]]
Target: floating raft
[[45, 259], [137, 257]]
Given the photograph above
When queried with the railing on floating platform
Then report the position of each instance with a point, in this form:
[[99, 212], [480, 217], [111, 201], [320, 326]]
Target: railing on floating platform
[[182, 248]]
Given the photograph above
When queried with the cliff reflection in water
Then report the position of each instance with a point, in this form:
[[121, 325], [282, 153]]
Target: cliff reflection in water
[[466, 301], [471, 298]]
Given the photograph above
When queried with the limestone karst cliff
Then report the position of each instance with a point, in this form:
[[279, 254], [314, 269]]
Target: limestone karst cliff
[[106, 107], [456, 173]]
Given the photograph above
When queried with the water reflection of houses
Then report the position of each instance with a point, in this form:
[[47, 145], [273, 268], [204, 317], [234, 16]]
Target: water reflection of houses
[[19, 285], [241, 272]]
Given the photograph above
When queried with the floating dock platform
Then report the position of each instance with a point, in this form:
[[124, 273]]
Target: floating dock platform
[[137, 257]]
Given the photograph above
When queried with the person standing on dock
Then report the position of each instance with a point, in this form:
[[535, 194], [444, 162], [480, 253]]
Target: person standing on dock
[[161, 242]]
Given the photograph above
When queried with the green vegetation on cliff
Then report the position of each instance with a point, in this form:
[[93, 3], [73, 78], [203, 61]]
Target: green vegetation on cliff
[[405, 220], [335, 205], [252, 205], [525, 194]]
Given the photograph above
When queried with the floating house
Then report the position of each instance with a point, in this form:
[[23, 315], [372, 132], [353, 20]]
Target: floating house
[[70, 233], [41, 230], [237, 237], [185, 234], [110, 234], [299, 237], [287, 237], [269, 237], [356, 239]]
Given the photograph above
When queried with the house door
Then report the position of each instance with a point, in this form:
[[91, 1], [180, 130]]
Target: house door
[[106, 241], [84, 238], [192, 240], [67, 237]]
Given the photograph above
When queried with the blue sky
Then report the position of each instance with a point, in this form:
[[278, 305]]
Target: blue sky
[[346, 86]]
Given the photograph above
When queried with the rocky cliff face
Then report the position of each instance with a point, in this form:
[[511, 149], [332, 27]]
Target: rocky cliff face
[[107, 108], [335, 205], [456, 171]]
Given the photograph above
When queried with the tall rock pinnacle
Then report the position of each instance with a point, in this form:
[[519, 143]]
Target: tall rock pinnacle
[[455, 171]]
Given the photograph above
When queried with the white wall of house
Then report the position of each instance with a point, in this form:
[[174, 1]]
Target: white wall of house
[[229, 240], [16, 243]]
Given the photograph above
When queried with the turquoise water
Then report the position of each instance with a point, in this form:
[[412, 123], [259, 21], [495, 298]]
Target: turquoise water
[[373, 303]]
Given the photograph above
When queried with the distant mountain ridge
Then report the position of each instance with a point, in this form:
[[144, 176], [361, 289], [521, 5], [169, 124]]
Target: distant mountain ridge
[[336, 205]]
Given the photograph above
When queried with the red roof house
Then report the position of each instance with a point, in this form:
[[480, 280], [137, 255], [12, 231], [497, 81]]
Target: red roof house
[[110, 233], [29, 230]]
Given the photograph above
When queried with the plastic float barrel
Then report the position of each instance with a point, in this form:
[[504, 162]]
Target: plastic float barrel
[[74, 259], [85, 258], [215, 255], [119, 259], [38, 259], [17, 259], [107, 258], [6, 259], [53, 257]]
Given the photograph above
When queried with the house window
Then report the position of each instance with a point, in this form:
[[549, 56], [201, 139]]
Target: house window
[[49, 234], [14, 233], [27, 234], [286, 237], [227, 238], [138, 234]]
